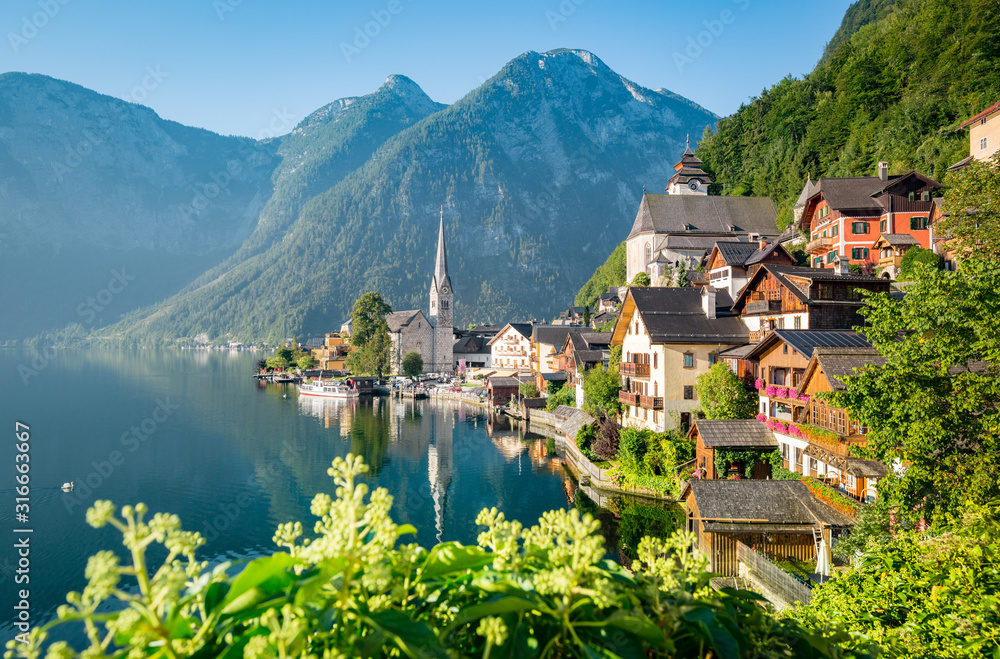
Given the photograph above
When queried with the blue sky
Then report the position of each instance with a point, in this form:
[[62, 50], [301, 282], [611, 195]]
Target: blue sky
[[246, 67]]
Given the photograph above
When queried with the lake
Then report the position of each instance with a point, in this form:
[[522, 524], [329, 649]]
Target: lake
[[192, 433]]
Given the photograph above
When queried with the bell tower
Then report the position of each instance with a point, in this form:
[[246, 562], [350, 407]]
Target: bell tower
[[442, 309]]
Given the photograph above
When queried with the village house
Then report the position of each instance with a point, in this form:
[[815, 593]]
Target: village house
[[582, 351], [984, 136], [791, 297], [815, 437], [546, 342], [682, 226], [730, 264], [670, 336], [845, 216], [779, 519], [332, 355], [611, 300], [729, 435], [501, 388], [511, 347]]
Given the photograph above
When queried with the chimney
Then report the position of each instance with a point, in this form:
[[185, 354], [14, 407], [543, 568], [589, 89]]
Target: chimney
[[841, 266], [763, 244], [883, 170], [708, 301]]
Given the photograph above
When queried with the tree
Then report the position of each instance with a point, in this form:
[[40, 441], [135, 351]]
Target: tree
[[552, 387], [641, 279], [586, 315], [413, 364], [565, 396], [724, 396], [278, 362], [972, 208], [915, 255], [528, 390], [682, 276], [305, 361], [600, 391], [934, 407], [370, 336]]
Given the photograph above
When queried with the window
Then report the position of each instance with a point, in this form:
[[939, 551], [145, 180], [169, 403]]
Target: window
[[825, 291], [798, 322], [688, 360], [712, 358], [982, 144], [859, 253], [854, 293], [912, 196], [918, 223], [784, 349], [654, 360], [859, 228], [830, 256], [784, 452], [883, 226], [836, 230], [818, 261], [685, 421], [688, 392], [813, 464], [852, 482], [925, 195]]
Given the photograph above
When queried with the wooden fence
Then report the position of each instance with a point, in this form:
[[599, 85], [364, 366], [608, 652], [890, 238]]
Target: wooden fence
[[772, 578]]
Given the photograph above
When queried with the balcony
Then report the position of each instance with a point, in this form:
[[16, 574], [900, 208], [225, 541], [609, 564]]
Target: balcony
[[633, 370], [628, 398], [890, 262], [757, 335], [824, 244], [763, 306], [651, 403]]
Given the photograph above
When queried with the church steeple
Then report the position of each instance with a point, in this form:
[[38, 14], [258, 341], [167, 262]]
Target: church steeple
[[689, 178], [442, 311], [441, 263]]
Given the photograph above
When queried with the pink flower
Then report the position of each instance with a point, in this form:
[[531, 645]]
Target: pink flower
[[804, 398], [761, 417], [781, 392], [782, 428], [770, 391], [758, 384]]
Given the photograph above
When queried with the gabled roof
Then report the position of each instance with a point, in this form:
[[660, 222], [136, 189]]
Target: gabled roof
[[768, 501], [806, 341], [400, 319], [471, 345], [837, 363], [554, 335], [746, 433], [990, 110], [734, 252], [807, 191], [896, 240], [663, 213], [675, 315], [853, 192], [524, 329], [783, 272]]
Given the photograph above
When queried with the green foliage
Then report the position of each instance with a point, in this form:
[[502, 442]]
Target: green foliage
[[608, 274], [585, 441], [552, 387], [355, 590], [748, 458], [278, 362], [550, 447], [607, 326], [724, 396], [922, 596], [651, 460], [871, 527], [632, 443], [918, 255], [370, 336], [896, 82], [641, 279], [563, 396], [413, 364], [681, 279], [600, 391], [528, 390], [935, 405], [305, 361], [972, 206]]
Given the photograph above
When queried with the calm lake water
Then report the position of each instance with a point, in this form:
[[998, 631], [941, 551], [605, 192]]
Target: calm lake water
[[190, 432]]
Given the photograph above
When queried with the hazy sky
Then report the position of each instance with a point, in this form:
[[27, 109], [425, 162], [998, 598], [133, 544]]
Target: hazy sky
[[245, 66]]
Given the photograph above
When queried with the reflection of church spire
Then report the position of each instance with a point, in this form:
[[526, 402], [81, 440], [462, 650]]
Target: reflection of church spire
[[439, 469]]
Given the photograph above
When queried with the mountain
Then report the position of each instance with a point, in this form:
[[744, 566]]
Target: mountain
[[894, 84], [104, 206], [537, 171]]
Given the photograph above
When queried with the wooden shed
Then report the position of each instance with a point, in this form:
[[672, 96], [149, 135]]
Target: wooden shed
[[779, 519], [733, 434]]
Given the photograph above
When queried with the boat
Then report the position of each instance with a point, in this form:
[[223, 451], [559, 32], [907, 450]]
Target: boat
[[414, 392], [328, 389]]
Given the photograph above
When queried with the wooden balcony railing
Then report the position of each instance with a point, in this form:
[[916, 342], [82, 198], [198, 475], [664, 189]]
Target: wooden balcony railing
[[757, 335], [651, 403], [634, 370], [890, 262], [764, 306], [824, 244], [628, 398]]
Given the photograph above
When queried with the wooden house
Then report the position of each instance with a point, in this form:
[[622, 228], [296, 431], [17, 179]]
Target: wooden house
[[733, 434], [500, 389], [730, 264], [790, 297], [888, 252], [779, 519]]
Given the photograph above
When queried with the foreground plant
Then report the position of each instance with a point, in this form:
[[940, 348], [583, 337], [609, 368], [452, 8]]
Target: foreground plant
[[354, 590]]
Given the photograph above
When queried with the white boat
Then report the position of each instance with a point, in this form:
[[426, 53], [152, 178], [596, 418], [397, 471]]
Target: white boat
[[328, 389]]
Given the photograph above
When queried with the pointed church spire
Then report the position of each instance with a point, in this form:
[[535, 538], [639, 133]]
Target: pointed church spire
[[441, 263]]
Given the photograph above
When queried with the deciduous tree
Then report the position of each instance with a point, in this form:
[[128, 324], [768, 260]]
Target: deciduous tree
[[413, 364], [724, 396]]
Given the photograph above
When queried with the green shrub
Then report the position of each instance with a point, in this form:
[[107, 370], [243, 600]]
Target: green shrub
[[564, 396], [528, 390], [918, 255], [355, 590]]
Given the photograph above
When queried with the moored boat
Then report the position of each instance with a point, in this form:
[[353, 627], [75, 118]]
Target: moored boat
[[327, 389]]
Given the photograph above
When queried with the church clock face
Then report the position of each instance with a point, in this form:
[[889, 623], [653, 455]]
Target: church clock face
[[693, 185], [444, 289]]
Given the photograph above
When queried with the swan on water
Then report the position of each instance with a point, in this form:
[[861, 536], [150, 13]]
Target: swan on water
[[67, 486]]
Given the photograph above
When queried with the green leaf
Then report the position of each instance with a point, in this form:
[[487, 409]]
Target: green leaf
[[261, 579], [450, 557], [215, 595], [497, 607], [414, 638]]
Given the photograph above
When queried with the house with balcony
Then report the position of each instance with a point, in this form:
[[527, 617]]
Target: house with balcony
[[546, 342], [815, 437], [730, 264], [845, 216], [731, 435], [670, 336], [888, 251], [510, 348], [332, 355], [582, 351], [791, 297], [984, 136]]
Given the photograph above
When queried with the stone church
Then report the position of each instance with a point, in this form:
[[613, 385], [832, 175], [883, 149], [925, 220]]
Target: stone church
[[432, 336]]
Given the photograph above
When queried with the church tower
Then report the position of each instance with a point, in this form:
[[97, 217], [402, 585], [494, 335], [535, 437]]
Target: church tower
[[442, 310], [690, 177]]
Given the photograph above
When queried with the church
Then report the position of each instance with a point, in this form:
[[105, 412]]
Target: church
[[433, 335], [683, 225]]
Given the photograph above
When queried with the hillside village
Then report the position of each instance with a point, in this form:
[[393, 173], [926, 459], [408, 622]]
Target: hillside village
[[713, 286]]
